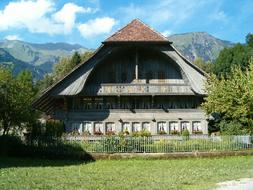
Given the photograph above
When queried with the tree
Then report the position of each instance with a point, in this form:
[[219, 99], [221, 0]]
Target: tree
[[75, 60], [249, 40], [45, 83], [65, 65], [16, 96], [205, 66], [85, 56], [232, 98], [62, 68], [238, 55]]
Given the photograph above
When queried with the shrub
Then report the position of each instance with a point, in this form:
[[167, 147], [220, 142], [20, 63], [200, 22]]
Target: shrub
[[162, 133], [98, 133], [10, 145], [142, 133], [42, 148], [185, 134], [197, 132], [54, 128], [110, 133], [174, 132], [232, 128]]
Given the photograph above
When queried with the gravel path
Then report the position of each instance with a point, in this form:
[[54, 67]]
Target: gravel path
[[241, 184]]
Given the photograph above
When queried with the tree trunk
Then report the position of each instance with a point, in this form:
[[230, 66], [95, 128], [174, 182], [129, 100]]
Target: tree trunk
[[6, 127]]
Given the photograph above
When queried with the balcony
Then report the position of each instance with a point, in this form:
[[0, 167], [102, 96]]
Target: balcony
[[139, 89]]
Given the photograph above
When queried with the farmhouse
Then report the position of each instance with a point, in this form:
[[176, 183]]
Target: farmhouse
[[136, 80]]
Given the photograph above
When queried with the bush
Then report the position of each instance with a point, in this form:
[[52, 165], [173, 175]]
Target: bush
[[142, 133], [48, 148], [232, 128], [185, 134], [174, 132], [10, 145], [162, 133], [54, 128]]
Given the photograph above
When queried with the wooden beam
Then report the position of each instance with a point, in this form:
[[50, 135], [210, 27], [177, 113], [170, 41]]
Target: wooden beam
[[136, 65]]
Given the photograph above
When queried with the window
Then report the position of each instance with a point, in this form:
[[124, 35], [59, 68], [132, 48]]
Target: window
[[196, 127], [98, 129], [110, 128], [161, 127], [126, 127], [174, 128], [108, 106], [87, 128], [76, 127], [185, 125], [146, 126], [136, 127], [99, 106]]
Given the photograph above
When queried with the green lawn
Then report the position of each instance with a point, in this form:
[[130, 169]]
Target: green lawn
[[194, 173]]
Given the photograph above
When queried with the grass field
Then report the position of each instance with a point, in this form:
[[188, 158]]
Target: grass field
[[194, 173]]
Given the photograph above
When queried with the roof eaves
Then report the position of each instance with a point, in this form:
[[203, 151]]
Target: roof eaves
[[45, 92]]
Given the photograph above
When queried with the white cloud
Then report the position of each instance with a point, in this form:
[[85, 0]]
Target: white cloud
[[170, 11], [12, 37], [67, 15], [26, 14], [40, 16], [166, 33], [219, 16], [96, 27]]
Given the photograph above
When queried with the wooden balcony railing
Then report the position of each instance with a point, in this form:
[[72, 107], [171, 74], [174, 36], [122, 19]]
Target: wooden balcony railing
[[139, 89]]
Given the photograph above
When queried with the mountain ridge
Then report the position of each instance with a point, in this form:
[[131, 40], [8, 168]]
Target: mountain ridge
[[195, 45], [40, 58]]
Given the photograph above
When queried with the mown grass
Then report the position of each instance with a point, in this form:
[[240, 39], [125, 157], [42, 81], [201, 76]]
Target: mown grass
[[193, 173]]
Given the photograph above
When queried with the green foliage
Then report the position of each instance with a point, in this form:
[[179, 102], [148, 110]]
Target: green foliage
[[54, 128], [10, 144], [47, 148], [62, 68], [16, 96], [232, 128], [205, 66], [238, 55], [249, 40], [232, 97], [185, 134], [142, 133], [76, 59]]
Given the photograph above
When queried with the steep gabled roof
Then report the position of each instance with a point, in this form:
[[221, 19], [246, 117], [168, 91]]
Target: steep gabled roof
[[137, 31]]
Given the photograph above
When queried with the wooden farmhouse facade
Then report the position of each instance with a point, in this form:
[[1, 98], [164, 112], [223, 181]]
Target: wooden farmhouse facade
[[135, 81]]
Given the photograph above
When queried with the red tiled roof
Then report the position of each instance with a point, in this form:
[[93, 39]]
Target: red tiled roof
[[136, 31]]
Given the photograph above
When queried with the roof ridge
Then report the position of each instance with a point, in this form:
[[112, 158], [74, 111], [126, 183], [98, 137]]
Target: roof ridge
[[150, 27], [137, 31], [120, 29]]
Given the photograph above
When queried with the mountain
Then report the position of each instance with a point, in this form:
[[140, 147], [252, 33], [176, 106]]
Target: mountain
[[199, 44], [16, 65], [41, 56]]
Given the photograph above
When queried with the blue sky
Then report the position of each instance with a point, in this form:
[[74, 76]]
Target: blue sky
[[88, 22]]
